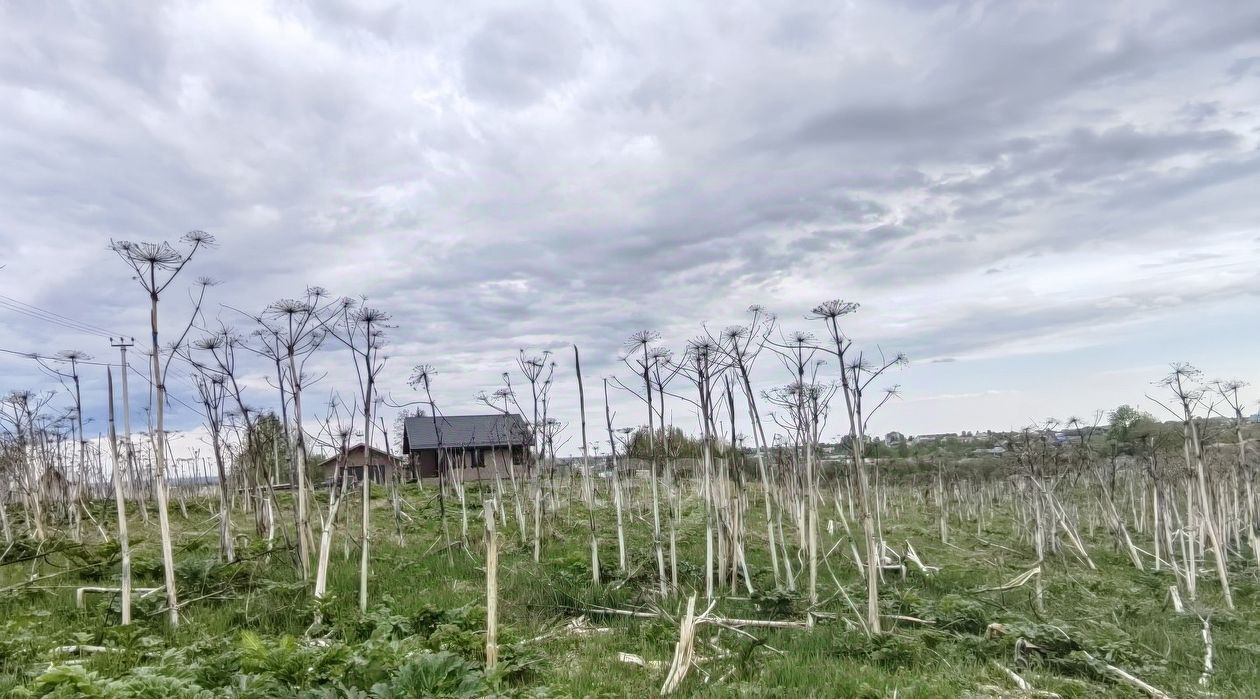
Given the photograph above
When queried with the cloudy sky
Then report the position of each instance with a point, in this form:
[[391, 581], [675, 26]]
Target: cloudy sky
[[1041, 203]]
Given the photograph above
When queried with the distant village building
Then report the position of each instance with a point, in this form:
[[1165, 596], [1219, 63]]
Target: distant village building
[[381, 465], [928, 438], [894, 438], [479, 445]]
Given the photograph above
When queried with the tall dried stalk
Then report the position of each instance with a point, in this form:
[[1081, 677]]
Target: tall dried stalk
[[362, 330], [120, 503], [855, 376], [1180, 381], [492, 588], [588, 485], [148, 260]]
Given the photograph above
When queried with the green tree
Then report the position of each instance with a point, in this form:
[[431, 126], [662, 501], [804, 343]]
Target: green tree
[[1124, 429], [673, 443], [1125, 435]]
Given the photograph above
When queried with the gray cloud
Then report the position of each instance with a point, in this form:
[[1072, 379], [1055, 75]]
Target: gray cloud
[[517, 56], [498, 176]]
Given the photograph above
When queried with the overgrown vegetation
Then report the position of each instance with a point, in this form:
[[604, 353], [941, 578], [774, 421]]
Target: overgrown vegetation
[[247, 626], [751, 559]]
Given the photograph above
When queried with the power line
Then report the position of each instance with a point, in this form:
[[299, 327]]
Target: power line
[[37, 357], [35, 316], [146, 377], [53, 317], [54, 313]]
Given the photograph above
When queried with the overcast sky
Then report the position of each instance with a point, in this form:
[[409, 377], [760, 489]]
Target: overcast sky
[[1041, 203]]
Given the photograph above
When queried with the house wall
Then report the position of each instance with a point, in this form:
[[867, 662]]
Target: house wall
[[381, 470], [480, 463]]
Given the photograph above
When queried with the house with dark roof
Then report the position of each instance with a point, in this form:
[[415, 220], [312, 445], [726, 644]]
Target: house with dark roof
[[479, 445]]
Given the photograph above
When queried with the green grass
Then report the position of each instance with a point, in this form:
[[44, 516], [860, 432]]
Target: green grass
[[245, 625]]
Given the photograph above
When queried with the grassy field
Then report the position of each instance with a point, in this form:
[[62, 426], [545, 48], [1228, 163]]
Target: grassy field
[[248, 630]]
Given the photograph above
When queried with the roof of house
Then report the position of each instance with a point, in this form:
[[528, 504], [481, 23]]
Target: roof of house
[[376, 453], [453, 431]]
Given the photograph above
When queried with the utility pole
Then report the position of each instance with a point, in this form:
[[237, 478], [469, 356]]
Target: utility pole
[[136, 487], [76, 492]]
